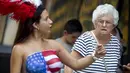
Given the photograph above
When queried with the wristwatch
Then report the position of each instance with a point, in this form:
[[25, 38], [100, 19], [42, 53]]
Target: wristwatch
[[94, 57]]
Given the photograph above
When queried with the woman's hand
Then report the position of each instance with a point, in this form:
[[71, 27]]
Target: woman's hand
[[127, 68], [100, 51]]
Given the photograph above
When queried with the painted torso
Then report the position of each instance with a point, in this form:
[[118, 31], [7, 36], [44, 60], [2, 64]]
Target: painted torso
[[43, 62]]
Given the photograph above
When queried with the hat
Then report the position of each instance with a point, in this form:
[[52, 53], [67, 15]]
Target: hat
[[19, 10]]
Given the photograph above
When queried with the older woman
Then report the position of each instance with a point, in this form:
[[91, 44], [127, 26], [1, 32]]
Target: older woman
[[105, 18]]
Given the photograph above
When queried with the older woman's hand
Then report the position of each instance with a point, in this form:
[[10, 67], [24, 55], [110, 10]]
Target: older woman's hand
[[127, 68], [100, 51]]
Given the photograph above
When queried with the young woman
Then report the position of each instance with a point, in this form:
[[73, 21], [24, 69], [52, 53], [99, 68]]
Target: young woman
[[34, 53]]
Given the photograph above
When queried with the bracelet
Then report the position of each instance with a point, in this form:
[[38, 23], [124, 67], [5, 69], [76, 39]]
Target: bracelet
[[94, 57]]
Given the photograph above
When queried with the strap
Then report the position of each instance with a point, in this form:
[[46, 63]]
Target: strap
[[103, 58], [94, 37], [105, 65]]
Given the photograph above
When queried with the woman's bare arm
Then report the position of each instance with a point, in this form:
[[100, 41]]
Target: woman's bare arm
[[77, 56], [74, 63], [16, 60]]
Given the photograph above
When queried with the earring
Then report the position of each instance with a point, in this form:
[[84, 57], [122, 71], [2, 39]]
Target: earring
[[37, 28]]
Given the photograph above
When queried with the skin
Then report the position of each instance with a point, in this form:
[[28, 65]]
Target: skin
[[37, 42], [127, 68], [70, 38], [103, 27]]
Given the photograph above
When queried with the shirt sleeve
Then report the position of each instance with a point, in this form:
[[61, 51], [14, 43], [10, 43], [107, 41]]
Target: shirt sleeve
[[83, 44]]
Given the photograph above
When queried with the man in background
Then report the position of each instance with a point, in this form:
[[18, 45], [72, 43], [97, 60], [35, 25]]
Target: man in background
[[72, 30]]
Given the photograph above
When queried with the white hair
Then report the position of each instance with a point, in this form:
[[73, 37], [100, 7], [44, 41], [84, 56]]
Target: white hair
[[106, 9]]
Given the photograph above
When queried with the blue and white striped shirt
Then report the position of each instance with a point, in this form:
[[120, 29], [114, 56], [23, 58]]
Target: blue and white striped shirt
[[86, 44]]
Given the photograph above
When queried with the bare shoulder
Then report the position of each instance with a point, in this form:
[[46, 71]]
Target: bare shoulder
[[55, 44], [17, 49]]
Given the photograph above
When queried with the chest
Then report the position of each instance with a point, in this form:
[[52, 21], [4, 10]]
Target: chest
[[43, 61]]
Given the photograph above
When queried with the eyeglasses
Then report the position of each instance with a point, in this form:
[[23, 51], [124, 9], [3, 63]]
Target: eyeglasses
[[105, 21]]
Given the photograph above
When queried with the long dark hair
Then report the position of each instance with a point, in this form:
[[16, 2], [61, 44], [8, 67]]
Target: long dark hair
[[26, 28]]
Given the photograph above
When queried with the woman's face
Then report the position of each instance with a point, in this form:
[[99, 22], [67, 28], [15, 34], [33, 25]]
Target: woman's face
[[45, 23], [104, 24]]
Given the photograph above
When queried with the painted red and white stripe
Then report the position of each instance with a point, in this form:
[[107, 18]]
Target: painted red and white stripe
[[53, 62]]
